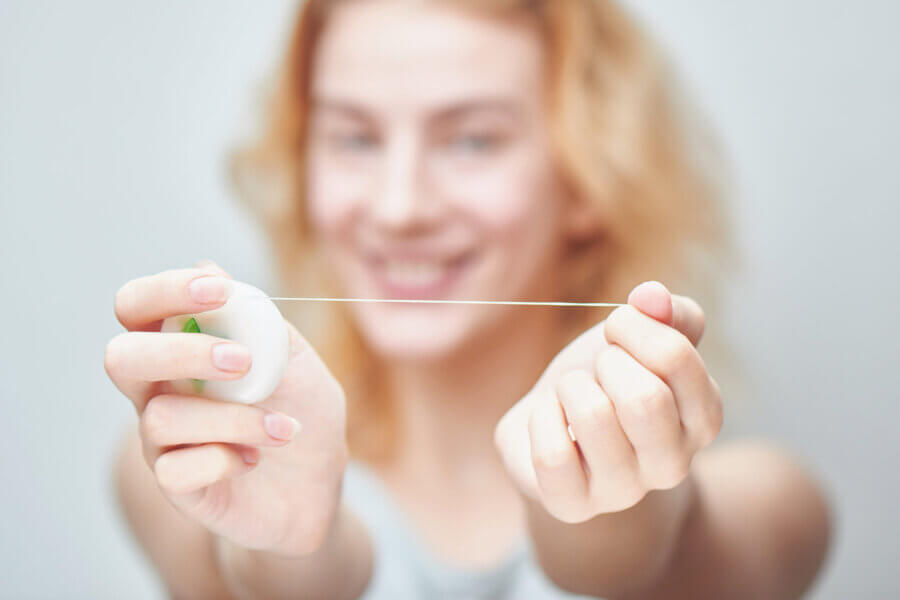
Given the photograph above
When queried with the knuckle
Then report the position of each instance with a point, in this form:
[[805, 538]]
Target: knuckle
[[678, 354], [551, 458], [654, 401], [571, 383], [156, 420], [597, 414]]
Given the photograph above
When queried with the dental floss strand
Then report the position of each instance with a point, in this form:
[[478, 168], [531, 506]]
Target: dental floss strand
[[408, 301]]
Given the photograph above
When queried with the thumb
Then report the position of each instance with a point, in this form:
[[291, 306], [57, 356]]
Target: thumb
[[654, 300], [684, 314]]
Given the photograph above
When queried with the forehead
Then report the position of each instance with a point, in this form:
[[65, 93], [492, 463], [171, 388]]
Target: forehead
[[415, 54]]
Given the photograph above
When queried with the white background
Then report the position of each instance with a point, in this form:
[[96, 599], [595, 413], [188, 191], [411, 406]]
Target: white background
[[114, 121]]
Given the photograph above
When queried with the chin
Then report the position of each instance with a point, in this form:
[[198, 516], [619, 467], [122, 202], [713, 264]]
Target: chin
[[417, 335], [414, 349]]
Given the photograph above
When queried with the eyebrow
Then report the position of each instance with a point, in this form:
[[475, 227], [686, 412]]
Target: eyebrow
[[341, 106], [443, 114]]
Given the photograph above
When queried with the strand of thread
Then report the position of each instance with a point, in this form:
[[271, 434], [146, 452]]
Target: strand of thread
[[429, 301]]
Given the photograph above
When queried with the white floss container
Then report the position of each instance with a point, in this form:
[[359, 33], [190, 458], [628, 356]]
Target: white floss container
[[250, 318]]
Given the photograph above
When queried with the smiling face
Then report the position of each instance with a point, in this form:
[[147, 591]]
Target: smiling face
[[429, 174]]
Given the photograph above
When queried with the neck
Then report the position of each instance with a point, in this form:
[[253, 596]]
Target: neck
[[448, 409]]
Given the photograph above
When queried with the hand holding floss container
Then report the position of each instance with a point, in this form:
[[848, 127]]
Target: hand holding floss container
[[249, 318]]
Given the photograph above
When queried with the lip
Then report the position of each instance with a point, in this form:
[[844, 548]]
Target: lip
[[452, 269]]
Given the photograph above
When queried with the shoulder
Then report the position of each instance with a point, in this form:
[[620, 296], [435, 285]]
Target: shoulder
[[767, 474], [773, 500]]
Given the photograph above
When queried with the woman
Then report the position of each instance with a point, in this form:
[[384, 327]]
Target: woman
[[501, 150]]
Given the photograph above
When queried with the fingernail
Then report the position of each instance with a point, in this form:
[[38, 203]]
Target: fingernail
[[230, 357], [209, 290], [280, 427], [250, 456]]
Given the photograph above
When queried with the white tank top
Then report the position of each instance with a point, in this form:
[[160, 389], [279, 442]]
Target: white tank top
[[405, 569]]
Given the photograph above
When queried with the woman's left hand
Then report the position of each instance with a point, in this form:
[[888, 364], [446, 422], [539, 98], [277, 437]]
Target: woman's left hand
[[638, 400]]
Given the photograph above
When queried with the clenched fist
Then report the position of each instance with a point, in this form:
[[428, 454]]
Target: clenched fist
[[638, 400]]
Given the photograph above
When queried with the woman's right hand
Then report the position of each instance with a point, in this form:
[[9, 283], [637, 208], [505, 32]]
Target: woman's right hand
[[265, 476]]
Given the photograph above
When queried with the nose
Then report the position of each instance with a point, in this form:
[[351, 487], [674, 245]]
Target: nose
[[399, 204]]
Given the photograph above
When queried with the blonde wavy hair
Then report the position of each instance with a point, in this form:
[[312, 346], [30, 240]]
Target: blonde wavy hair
[[626, 148]]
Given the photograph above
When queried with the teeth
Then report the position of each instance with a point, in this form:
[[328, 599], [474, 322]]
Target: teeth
[[413, 273]]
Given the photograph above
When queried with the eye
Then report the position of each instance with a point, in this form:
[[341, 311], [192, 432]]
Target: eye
[[474, 143], [356, 141]]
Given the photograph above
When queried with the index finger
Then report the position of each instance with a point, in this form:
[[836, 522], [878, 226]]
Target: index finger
[[143, 302]]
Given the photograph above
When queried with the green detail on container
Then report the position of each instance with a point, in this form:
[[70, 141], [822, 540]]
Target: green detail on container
[[192, 327]]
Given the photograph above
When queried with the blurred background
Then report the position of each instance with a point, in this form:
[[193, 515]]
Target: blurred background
[[114, 122]]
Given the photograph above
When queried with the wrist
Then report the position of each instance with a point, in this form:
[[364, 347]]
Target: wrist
[[339, 568], [233, 563], [252, 573], [630, 549]]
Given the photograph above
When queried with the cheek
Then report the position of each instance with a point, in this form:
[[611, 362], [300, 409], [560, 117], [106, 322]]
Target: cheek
[[333, 195], [507, 196]]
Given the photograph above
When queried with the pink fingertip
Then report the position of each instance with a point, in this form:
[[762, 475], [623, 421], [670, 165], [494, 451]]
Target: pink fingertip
[[209, 290], [231, 357], [653, 299], [280, 427]]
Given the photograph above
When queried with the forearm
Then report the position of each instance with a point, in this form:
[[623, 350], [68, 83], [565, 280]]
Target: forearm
[[182, 551], [617, 554], [339, 569], [747, 523], [194, 563], [758, 529]]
